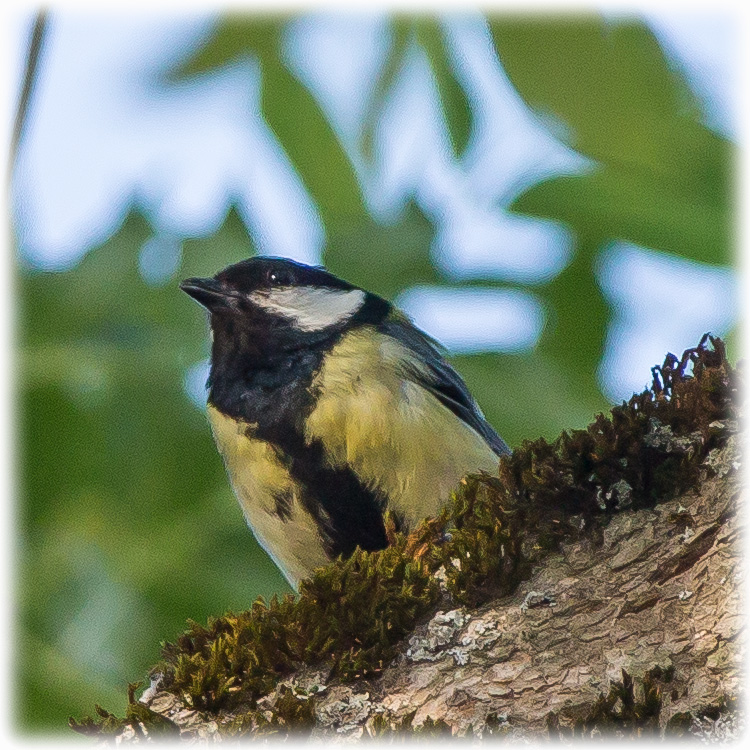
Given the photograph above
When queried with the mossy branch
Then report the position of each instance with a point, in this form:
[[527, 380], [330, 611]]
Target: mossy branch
[[245, 671]]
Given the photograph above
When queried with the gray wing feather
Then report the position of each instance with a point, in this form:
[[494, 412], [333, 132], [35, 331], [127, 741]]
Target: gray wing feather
[[443, 381]]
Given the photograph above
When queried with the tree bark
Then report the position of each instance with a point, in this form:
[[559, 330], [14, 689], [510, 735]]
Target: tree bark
[[631, 631]]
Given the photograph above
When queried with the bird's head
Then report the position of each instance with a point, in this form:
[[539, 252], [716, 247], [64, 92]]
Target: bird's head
[[276, 304]]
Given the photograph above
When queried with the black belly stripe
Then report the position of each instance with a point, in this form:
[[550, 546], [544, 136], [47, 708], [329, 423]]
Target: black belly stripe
[[348, 513]]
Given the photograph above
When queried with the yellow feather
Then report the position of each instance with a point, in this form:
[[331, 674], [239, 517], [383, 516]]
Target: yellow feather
[[258, 477], [396, 436]]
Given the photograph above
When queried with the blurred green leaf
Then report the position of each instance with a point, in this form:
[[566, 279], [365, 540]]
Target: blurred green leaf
[[608, 82], [663, 178], [291, 112], [235, 36], [531, 394], [614, 204], [307, 137], [401, 32], [429, 34], [385, 258], [455, 103], [573, 339]]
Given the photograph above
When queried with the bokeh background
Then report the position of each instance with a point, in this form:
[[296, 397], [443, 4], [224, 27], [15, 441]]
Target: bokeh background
[[549, 196]]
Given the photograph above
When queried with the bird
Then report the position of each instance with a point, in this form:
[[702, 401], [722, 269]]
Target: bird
[[330, 408]]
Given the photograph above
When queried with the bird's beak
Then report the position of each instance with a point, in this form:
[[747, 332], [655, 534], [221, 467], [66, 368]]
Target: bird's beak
[[208, 292]]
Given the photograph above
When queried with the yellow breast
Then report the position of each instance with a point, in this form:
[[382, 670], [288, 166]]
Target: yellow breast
[[269, 497]]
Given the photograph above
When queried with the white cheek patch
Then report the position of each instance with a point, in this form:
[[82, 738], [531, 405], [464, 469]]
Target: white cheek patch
[[311, 308]]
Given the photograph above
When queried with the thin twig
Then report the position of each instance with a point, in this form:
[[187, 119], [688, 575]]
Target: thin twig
[[29, 80]]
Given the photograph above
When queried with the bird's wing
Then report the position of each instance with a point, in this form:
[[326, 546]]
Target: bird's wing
[[390, 410], [440, 379]]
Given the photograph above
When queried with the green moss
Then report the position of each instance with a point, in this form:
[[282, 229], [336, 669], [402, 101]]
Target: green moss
[[620, 710], [383, 727], [476, 542], [141, 719], [353, 613], [618, 713], [293, 713], [627, 712]]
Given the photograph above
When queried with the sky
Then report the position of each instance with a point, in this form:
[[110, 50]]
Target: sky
[[104, 135]]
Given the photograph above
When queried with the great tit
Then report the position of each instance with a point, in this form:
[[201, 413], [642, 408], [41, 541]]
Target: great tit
[[330, 407]]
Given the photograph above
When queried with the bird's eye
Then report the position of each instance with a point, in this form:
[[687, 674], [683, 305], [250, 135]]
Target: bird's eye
[[277, 277]]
